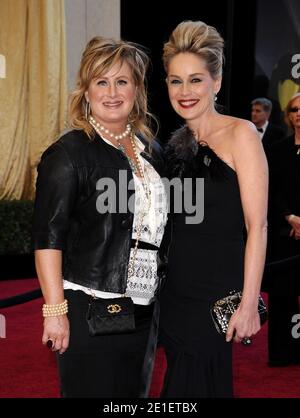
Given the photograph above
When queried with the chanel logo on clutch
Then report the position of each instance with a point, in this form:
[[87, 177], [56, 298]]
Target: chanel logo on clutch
[[114, 308]]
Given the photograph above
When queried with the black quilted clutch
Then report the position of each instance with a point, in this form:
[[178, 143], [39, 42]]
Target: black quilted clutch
[[222, 310], [110, 316]]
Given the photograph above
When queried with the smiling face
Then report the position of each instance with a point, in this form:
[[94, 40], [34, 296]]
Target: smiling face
[[112, 95], [190, 85]]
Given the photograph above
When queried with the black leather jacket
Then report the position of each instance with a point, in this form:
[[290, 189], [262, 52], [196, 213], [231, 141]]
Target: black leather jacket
[[96, 246]]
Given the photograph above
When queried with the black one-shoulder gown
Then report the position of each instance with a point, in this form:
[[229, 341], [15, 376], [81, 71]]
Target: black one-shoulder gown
[[206, 262]]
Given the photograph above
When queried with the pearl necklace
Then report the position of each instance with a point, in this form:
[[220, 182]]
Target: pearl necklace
[[142, 212], [138, 164], [101, 129], [140, 168], [135, 166]]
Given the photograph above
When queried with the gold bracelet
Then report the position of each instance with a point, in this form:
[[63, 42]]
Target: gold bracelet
[[55, 310]]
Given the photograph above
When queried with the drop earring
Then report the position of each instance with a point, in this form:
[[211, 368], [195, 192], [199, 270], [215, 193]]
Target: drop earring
[[87, 110], [216, 97]]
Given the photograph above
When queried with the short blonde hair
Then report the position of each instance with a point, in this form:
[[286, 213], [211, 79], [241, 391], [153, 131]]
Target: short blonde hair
[[287, 111], [99, 56], [197, 38]]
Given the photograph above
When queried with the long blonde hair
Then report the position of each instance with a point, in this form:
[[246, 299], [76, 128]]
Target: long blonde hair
[[197, 38], [99, 56]]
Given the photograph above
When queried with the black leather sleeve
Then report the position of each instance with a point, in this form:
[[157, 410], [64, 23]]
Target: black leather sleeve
[[56, 194]]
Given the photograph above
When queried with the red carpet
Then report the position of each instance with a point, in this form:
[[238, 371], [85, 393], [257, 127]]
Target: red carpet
[[28, 369]]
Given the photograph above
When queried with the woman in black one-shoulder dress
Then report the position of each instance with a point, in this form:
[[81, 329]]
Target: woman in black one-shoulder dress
[[209, 259]]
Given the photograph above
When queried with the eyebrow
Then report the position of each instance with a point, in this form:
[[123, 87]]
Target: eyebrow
[[190, 75], [106, 78]]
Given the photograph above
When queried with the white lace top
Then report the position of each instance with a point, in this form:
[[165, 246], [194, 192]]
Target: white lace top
[[142, 284]]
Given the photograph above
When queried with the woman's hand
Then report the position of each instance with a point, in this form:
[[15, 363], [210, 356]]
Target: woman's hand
[[243, 323], [57, 330]]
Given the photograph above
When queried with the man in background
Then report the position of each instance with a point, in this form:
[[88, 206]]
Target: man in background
[[260, 114]]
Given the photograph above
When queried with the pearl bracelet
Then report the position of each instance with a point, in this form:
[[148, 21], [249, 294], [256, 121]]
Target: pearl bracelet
[[55, 310]]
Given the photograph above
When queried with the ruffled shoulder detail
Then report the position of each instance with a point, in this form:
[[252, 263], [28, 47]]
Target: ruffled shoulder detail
[[185, 157]]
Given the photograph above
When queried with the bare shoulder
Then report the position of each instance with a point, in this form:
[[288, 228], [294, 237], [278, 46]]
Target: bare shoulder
[[241, 136], [236, 140], [247, 149], [235, 127], [244, 131]]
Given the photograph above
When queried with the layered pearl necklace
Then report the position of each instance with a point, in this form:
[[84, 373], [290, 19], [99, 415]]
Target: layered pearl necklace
[[102, 130], [135, 163], [137, 168]]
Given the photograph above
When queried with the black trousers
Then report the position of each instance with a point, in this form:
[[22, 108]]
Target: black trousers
[[105, 366]]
